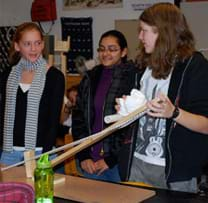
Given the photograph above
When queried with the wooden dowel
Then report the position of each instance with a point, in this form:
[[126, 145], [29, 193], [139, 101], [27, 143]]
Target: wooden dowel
[[29, 165]]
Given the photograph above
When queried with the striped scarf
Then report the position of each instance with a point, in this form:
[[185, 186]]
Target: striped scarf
[[33, 102]]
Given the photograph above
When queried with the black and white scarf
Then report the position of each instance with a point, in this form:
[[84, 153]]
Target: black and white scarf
[[33, 102]]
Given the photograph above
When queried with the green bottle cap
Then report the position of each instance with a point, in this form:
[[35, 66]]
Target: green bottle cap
[[43, 162]]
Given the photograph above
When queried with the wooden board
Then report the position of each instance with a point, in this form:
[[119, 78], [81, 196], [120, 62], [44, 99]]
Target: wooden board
[[85, 190]]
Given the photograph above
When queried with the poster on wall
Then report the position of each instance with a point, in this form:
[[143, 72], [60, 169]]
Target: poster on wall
[[140, 5], [91, 4], [81, 46]]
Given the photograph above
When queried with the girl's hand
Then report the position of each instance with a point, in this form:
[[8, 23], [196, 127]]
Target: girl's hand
[[101, 166], [160, 107], [89, 166]]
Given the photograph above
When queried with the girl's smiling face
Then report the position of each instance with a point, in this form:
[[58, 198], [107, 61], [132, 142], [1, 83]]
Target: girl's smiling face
[[110, 52]]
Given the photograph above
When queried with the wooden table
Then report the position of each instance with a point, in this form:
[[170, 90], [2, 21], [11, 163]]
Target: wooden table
[[85, 190]]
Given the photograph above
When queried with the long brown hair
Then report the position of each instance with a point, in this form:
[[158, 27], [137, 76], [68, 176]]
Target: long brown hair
[[15, 56], [175, 40]]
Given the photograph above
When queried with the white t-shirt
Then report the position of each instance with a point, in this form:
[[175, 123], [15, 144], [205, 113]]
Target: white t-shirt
[[151, 131]]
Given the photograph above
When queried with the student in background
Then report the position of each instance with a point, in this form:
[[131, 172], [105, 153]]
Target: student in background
[[33, 97], [64, 132], [96, 99], [170, 147], [66, 115]]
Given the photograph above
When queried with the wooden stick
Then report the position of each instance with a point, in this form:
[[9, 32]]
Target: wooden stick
[[126, 120], [31, 164]]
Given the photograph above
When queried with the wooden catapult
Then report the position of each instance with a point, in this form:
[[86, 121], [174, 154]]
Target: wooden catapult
[[77, 146]]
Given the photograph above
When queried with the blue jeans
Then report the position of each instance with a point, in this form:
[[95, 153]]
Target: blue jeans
[[14, 157], [111, 175]]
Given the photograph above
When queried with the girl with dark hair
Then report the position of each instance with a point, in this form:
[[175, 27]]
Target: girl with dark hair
[[96, 99]]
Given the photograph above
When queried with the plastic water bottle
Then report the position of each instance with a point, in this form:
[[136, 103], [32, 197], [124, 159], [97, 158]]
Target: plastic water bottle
[[44, 177]]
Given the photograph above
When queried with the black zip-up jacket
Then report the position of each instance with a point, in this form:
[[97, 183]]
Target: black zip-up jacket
[[186, 150], [123, 81]]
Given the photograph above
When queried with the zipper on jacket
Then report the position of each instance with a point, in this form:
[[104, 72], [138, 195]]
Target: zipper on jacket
[[88, 105], [173, 124], [102, 152], [102, 149]]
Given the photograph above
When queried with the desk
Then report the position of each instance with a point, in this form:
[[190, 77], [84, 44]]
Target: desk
[[162, 196], [84, 190], [77, 189]]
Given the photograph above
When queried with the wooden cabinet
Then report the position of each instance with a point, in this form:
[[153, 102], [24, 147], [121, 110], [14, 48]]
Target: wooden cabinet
[[72, 79]]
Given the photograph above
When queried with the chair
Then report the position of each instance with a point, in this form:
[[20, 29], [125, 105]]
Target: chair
[[16, 192], [70, 166]]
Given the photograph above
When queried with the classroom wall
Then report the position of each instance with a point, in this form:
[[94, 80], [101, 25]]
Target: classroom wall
[[14, 12], [197, 15]]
